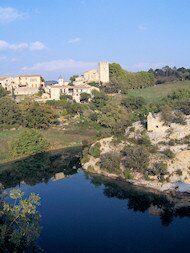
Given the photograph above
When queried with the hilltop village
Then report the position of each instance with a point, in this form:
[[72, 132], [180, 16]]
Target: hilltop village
[[130, 126], [28, 85]]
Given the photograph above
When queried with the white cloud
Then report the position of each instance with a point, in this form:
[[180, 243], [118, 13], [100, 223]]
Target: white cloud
[[61, 65], [8, 15], [142, 27], [75, 40], [37, 45]]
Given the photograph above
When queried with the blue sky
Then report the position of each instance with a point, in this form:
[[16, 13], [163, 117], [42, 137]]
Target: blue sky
[[70, 36]]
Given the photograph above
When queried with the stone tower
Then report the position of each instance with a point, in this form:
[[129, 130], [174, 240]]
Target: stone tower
[[104, 72], [61, 81]]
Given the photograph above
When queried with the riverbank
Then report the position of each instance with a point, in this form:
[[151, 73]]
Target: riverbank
[[157, 159], [57, 138]]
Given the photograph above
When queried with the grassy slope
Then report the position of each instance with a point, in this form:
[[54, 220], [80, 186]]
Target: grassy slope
[[57, 139], [152, 94]]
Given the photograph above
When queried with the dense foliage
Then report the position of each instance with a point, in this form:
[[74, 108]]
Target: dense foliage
[[27, 113], [10, 113], [20, 222], [37, 116], [29, 142], [168, 74], [121, 80], [136, 158], [3, 92], [110, 162]]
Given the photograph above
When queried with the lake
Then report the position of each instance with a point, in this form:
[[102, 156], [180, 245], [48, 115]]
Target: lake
[[89, 214]]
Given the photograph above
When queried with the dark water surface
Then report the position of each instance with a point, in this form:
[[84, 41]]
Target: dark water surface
[[87, 214]]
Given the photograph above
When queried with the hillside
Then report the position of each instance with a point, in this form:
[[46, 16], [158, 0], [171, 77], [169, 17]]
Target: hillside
[[156, 93]]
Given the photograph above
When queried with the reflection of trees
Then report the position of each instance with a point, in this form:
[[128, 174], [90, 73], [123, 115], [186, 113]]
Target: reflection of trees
[[39, 168], [139, 199]]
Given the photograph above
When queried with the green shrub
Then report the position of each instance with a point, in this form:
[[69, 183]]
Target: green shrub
[[171, 142], [3, 92], [9, 112], [144, 140], [137, 158], [29, 142], [159, 169], [169, 153], [179, 172], [110, 162], [85, 159], [37, 116], [95, 150], [128, 175]]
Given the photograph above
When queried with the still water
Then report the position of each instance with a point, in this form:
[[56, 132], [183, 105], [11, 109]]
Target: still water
[[88, 214]]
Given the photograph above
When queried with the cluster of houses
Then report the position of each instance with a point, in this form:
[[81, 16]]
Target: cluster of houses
[[28, 85]]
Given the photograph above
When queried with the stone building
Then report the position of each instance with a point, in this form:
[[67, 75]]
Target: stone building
[[100, 75], [28, 84], [56, 91], [7, 82], [104, 72]]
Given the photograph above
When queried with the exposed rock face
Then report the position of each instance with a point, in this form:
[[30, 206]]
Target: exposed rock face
[[161, 136], [180, 163]]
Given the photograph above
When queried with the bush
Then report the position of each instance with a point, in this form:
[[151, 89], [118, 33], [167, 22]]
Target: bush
[[144, 140], [20, 222], [137, 158], [9, 112], [128, 175], [110, 162], [3, 92], [37, 116], [85, 159], [159, 169], [95, 150], [169, 153], [179, 172], [29, 142], [84, 97]]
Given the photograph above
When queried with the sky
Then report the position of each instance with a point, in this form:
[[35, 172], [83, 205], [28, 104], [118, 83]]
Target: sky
[[66, 37]]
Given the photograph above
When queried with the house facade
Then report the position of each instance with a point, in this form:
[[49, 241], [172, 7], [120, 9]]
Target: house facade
[[56, 91]]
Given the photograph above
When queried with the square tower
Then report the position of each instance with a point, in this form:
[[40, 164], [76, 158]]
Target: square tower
[[104, 72]]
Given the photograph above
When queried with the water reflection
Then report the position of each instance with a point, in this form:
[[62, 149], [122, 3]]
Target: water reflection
[[57, 166], [166, 206], [40, 168]]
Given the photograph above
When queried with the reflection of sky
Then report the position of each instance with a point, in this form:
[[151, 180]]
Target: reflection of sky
[[183, 187]]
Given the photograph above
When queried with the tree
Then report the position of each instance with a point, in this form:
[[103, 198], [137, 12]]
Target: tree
[[9, 112], [122, 80], [72, 78], [84, 97], [99, 99], [29, 142], [37, 116], [114, 116], [20, 222], [134, 102], [3, 92]]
